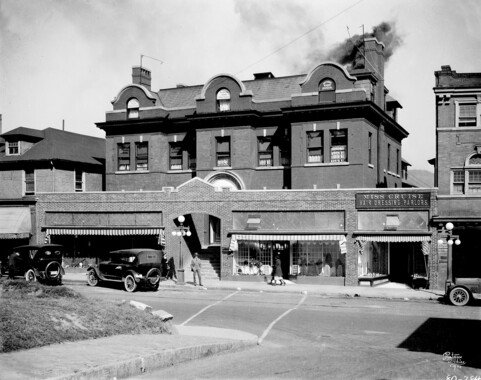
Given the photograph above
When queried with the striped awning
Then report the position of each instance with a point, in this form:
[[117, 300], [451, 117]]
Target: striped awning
[[287, 237], [393, 238], [104, 231]]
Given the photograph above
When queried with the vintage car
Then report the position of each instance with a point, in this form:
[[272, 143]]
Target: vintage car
[[462, 290], [42, 262], [137, 267]]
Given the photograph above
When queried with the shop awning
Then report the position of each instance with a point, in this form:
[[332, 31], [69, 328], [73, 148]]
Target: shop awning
[[15, 222], [119, 231], [286, 237], [394, 239]]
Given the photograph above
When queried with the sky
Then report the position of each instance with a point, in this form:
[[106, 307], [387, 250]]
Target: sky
[[64, 61]]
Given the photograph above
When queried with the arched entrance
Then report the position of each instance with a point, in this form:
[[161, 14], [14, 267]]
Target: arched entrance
[[196, 232]]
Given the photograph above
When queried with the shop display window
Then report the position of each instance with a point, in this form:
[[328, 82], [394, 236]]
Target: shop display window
[[374, 260], [318, 258], [253, 258]]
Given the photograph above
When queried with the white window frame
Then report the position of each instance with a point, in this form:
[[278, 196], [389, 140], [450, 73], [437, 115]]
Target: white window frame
[[82, 188], [133, 107], [223, 99], [25, 183], [11, 145], [460, 103]]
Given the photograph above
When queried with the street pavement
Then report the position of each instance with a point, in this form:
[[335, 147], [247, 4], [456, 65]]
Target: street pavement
[[130, 355]]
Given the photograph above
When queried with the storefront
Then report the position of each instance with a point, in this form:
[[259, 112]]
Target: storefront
[[89, 236], [15, 228], [306, 255], [393, 238]]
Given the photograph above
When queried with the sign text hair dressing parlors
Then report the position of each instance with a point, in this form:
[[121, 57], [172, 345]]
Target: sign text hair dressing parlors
[[394, 199]]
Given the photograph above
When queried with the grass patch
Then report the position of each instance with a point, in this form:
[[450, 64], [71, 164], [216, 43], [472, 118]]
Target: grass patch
[[35, 315]]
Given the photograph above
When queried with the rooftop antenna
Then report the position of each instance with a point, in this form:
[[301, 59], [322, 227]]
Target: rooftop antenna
[[146, 56]]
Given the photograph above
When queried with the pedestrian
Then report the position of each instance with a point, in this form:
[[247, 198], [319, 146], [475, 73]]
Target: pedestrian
[[195, 267], [278, 276], [163, 265], [171, 274], [12, 259]]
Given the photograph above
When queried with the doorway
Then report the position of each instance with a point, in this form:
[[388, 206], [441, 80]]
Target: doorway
[[281, 248]]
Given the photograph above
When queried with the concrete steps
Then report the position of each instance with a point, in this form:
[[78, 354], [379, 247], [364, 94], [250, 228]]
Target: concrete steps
[[210, 258]]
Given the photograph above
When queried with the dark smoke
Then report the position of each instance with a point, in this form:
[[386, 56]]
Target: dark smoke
[[350, 51]]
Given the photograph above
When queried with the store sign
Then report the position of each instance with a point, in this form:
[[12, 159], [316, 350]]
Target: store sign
[[394, 199]]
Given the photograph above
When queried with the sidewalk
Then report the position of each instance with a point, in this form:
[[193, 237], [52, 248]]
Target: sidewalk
[[120, 356], [130, 355], [385, 291]]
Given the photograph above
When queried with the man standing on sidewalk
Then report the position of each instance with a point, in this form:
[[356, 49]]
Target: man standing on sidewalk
[[195, 266]]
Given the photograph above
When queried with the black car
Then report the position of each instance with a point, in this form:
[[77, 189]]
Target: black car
[[41, 262], [134, 267]]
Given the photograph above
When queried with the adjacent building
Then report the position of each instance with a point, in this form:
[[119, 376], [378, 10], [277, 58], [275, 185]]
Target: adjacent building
[[37, 161], [458, 169]]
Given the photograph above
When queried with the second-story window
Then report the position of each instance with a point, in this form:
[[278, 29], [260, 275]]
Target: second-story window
[[142, 156], [79, 180], [29, 181], [223, 100], [223, 152], [327, 91], [12, 149], [467, 115], [314, 147], [123, 154], [175, 156], [339, 145], [458, 181], [265, 151], [133, 109]]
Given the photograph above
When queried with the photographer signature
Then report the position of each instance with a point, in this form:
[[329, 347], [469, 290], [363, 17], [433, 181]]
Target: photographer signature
[[454, 360]]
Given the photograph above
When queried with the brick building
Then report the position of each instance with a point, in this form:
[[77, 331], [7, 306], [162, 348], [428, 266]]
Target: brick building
[[35, 161], [458, 167], [305, 166]]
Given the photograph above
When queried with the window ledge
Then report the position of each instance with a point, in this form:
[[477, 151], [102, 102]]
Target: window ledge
[[269, 167], [179, 171], [326, 164], [132, 171], [221, 167]]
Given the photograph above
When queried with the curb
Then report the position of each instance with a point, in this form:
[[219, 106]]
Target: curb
[[142, 364], [340, 294]]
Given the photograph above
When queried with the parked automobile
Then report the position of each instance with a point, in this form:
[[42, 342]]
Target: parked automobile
[[137, 267], [41, 262], [462, 290]]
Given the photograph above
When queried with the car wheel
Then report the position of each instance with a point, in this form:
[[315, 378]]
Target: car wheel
[[129, 283], [92, 278], [153, 277], [459, 296], [30, 276]]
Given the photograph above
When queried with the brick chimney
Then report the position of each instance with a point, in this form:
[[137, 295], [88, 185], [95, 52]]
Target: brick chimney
[[141, 76], [374, 53]]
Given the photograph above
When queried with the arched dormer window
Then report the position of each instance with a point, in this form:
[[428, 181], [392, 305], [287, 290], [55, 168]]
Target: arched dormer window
[[223, 100], [327, 90], [133, 109]]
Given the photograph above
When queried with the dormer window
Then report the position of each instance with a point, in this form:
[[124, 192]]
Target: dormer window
[[223, 100], [327, 90], [133, 109], [12, 148]]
